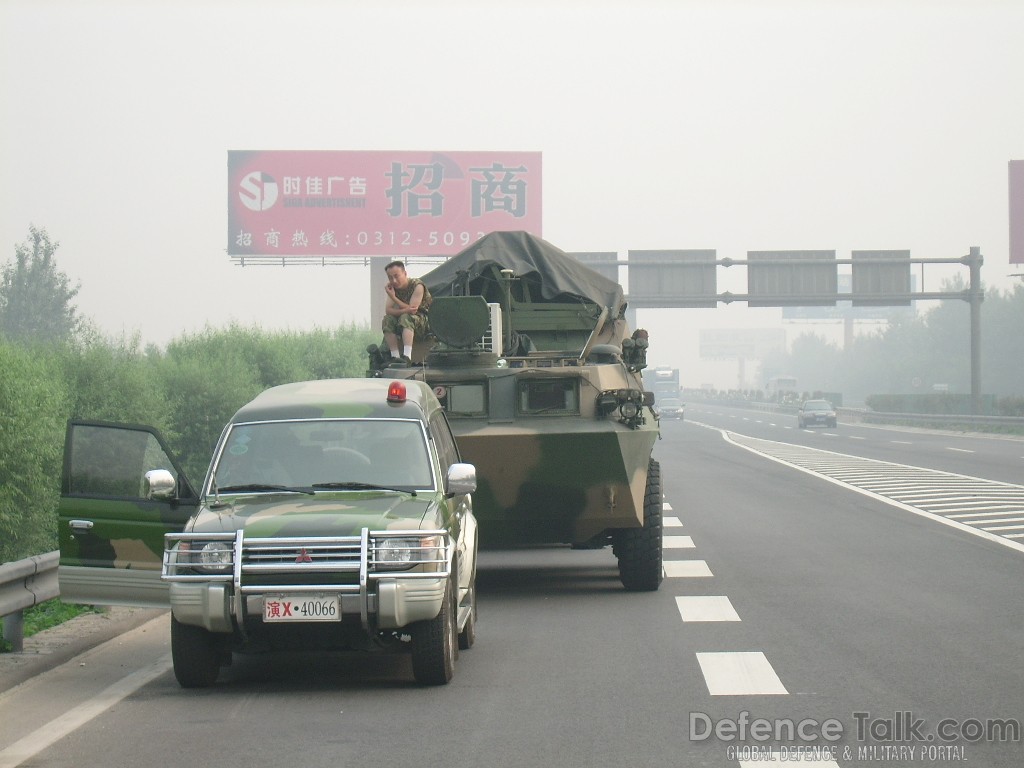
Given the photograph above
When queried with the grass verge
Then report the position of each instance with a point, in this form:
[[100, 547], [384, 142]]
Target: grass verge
[[46, 615]]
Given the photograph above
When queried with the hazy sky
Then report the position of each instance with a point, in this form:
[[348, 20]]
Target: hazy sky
[[729, 125]]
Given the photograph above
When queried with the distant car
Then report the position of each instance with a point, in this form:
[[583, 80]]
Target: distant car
[[816, 412], [671, 408]]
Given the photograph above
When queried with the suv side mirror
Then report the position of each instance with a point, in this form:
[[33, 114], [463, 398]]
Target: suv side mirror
[[461, 479], [159, 484]]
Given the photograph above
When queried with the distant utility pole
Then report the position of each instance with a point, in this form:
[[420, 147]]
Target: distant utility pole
[[976, 296]]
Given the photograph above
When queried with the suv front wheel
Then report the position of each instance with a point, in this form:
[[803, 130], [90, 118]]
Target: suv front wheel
[[435, 644], [195, 653]]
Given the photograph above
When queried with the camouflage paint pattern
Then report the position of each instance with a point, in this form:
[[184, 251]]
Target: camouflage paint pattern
[[559, 478], [106, 545], [326, 514], [538, 486], [334, 398]]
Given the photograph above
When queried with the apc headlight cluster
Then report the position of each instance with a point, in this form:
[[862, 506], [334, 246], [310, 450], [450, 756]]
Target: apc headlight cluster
[[628, 403]]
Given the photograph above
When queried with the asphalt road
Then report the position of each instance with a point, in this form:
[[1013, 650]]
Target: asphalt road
[[993, 457], [791, 602]]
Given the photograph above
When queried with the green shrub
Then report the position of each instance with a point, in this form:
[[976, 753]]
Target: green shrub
[[188, 392], [45, 615], [34, 403]]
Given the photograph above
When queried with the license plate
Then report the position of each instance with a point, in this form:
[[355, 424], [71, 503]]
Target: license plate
[[290, 608]]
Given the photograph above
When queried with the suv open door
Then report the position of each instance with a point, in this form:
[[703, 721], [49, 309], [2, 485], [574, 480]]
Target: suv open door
[[112, 520]]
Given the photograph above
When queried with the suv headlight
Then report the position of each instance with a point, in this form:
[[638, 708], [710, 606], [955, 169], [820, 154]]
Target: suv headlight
[[400, 553], [207, 557], [395, 553]]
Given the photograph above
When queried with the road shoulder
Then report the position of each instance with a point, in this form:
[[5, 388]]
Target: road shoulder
[[52, 647]]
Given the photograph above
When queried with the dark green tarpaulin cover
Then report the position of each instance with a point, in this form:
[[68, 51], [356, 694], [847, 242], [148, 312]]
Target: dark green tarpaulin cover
[[558, 277]]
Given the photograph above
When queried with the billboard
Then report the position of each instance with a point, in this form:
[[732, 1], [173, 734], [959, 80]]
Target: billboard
[[372, 203], [1017, 211], [741, 343]]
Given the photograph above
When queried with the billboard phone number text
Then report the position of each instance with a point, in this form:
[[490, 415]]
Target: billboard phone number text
[[409, 240]]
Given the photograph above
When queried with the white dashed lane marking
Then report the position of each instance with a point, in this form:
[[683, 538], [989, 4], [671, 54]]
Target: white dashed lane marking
[[726, 673], [677, 542], [686, 569], [706, 608], [739, 673]]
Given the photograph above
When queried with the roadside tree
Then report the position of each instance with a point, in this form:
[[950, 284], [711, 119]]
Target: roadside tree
[[35, 296]]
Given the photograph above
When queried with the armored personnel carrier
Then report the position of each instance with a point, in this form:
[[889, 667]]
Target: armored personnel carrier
[[540, 378]]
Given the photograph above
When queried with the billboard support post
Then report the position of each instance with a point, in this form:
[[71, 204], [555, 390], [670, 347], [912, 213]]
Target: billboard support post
[[377, 281]]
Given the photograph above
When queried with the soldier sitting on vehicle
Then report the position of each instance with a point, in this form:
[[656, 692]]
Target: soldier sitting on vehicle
[[406, 310]]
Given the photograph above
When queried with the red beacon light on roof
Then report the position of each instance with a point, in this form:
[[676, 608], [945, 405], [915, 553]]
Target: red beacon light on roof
[[396, 392]]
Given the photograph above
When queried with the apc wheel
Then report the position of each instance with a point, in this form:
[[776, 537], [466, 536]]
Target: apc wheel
[[195, 655], [639, 549], [468, 634], [435, 645]]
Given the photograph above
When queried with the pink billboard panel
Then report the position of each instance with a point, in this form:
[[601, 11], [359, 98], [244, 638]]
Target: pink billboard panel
[[1017, 211], [377, 203]]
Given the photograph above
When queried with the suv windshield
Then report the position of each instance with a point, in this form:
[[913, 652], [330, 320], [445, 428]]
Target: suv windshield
[[324, 453], [817, 405]]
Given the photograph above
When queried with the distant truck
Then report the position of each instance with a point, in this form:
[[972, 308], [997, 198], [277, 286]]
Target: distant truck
[[779, 387], [664, 382]]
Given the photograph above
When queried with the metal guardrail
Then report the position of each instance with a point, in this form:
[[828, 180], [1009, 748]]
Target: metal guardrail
[[23, 584], [851, 415], [944, 419]]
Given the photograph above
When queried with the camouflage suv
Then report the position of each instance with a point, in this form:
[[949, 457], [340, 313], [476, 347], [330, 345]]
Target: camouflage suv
[[335, 515]]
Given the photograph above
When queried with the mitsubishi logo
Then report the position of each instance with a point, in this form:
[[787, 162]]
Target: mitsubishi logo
[[303, 556]]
